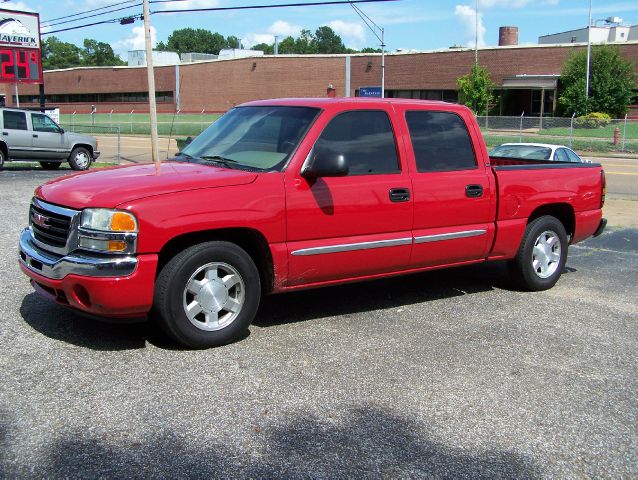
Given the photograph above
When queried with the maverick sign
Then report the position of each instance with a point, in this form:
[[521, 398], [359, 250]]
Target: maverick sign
[[20, 59]]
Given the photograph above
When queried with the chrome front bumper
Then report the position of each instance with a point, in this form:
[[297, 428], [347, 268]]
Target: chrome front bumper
[[57, 267]]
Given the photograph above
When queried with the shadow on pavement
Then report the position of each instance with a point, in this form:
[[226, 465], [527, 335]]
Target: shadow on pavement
[[66, 325], [363, 442]]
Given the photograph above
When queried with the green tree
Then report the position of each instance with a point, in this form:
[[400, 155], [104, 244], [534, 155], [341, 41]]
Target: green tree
[[611, 83], [99, 54], [475, 89], [57, 54], [197, 40], [264, 47], [305, 43], [327, 41], [287, 45]]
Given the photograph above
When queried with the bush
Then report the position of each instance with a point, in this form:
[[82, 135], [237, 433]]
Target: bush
[[593, 120]]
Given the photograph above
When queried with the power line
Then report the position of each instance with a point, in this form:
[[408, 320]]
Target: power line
[[94, 15], [89, 11], [112, 20], [217, 9], [259, 7]]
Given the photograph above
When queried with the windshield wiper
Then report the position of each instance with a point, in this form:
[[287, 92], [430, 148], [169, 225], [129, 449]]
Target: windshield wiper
[[219, 159]]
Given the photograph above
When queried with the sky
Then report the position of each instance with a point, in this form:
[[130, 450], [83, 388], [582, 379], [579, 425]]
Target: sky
[[408, 24]]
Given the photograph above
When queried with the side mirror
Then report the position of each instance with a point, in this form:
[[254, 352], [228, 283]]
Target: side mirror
[[61, 130], [325, 164]]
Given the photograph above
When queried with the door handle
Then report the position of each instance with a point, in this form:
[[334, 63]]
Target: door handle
[[474, 191], [399, 195], [35, 136], [5, 133]]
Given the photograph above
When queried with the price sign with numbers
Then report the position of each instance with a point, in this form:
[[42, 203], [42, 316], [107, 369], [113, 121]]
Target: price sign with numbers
[[20, 58]]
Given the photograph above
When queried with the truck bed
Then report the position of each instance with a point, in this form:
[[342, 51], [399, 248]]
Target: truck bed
[[527, 188]]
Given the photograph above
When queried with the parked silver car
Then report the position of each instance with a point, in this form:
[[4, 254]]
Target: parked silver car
[[33, 136]]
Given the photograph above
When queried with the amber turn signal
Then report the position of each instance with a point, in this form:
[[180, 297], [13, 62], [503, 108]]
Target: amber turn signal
[[123, 222]]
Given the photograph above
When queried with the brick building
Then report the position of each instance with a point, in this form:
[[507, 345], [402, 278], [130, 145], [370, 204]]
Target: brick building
[[526, 79]]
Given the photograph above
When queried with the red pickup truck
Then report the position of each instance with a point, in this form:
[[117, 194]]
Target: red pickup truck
[[280, 195]]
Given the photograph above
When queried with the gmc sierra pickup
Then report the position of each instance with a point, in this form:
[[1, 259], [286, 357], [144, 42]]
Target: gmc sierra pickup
[[287, 194]]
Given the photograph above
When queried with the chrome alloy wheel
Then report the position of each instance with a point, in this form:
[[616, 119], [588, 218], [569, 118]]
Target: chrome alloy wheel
[[214, 296], [546, 254], [82, 159]]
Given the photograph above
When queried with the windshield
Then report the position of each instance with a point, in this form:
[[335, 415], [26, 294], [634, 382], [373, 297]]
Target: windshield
[[532, 152], [261, 138]]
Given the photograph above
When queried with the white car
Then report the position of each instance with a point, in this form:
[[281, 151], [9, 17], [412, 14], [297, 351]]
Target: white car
[[537, 151]]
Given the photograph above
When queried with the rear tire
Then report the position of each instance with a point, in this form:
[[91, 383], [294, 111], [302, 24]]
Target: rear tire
[[80, 159], [207, 295], [541, 256], [3, 158], [50, 165]]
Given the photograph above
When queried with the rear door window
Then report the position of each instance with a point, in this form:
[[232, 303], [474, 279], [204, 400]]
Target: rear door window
[[440, 141], [365, 138], [14, 120], [561, 155]]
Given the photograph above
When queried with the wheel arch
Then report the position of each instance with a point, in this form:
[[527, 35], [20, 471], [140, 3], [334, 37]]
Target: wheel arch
[[250, 240], [564, 212], [83, 145]]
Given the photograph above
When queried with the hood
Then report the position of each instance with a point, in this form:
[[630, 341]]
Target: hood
[[113, 186], [80, 137]]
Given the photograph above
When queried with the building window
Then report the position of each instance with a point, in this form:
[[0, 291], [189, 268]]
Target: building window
[[125, 97]]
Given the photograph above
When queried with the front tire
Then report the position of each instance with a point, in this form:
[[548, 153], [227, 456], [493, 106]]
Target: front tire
[[3, 158], [80, 159], [50, 165], [207, 295], [542, 254]]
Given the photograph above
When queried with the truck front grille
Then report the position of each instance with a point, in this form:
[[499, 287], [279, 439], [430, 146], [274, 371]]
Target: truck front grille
[[51, 225]]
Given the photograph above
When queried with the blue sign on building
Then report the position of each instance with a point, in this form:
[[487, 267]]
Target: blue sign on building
[[370, 92]]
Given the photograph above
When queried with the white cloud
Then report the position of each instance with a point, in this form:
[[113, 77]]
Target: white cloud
[[467, 17], [353, 34], [284, 29], [135, 41], [280, 28], [514, 3], [189, 4], [21, 6]]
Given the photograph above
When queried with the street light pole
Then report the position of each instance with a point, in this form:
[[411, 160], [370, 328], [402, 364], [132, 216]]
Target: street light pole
[[374, 28], [151, 84], [588, 59]]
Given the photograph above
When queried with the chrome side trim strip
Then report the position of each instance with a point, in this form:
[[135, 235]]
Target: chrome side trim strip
[[348, 247], [449, 236]]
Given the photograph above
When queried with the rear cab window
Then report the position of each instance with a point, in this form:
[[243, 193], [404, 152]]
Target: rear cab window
[[365, 138], [440, 140]]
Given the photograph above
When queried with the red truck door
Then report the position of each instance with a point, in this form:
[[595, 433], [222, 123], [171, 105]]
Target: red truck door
[[354, 225], [453, 192]]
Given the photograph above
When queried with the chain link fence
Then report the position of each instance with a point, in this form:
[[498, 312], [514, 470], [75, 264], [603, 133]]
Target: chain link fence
[[109, 139], [586, 135]]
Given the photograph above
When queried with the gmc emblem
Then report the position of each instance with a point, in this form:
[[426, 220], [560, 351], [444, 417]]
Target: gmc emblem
[[40, 220]]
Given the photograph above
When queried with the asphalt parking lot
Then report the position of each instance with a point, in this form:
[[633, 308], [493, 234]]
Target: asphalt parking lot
[[445, 374]]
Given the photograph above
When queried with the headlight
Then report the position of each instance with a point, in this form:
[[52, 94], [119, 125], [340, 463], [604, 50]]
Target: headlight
[[111, 231], [108, 220]]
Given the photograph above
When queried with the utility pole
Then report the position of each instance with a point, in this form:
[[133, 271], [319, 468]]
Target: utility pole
[[476, 37], [151, 85], [374, 28], [588, 59]]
